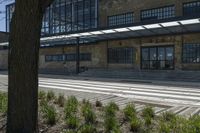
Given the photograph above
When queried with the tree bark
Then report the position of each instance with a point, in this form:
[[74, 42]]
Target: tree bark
[[23, 65]]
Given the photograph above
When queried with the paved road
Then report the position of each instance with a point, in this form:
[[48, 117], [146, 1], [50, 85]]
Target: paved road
[[178, 99]]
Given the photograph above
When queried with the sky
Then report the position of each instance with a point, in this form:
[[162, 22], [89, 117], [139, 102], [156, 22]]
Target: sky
[[3, 3]]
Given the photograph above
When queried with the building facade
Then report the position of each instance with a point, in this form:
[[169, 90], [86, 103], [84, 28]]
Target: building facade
[[142, 47]]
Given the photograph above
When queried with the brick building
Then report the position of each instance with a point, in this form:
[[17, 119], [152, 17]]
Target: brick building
[[120, 34]]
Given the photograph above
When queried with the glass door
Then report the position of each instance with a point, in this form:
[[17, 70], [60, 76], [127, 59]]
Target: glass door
[[157, 58]]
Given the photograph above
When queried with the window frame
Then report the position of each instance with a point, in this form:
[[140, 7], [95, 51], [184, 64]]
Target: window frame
[[125, 61], [157, 13], [120, 19], [190, 57]]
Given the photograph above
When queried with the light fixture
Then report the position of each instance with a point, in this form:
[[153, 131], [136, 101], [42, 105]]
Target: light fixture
[[190, 21], [85, 34], [169, 24], [74, 35], [5, 43], [122, 30], [97, 32], [152, 26], [108, 31], [136, 28]]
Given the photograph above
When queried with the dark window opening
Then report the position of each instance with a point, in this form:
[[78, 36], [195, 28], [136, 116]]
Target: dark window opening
[[54, 58], [191, 8], [120, 55], [191, 53], [158, 13], [64, 16], [121, 19], [67, 57]]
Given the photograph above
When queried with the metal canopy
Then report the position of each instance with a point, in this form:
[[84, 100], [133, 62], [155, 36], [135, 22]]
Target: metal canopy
[[163, 27], [169, 27]]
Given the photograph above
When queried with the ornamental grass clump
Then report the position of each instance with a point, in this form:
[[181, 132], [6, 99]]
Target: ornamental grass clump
[[88, 113], [135, 124], [70, 110], [61, 100], [148, 115], [42, 95], [50, 95], [110, 121], [71, 106], [129, 112], [168, 116], [3, 102], [195, 123], [88, 128], [98, 103], [49, 114]]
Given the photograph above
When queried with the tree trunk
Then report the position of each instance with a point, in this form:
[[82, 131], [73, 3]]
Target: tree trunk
[[23, 67]]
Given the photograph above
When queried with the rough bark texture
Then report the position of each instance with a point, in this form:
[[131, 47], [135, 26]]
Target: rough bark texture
[[23, 65]]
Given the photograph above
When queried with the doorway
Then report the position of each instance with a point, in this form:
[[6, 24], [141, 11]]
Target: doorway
[[157, 57]]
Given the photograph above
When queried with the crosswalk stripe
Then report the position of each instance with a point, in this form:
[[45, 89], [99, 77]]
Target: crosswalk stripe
[[191, 93], [184, 89], [126, 92]]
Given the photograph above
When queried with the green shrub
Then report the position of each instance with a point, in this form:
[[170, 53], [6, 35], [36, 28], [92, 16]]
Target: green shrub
[[130, 111], [49, 113], [3, 102], [88, 113], [135, 124], [61, 100], [148, 112], [50, 95], [72, 122], [98, 103], [88, 128], [42, 95]]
